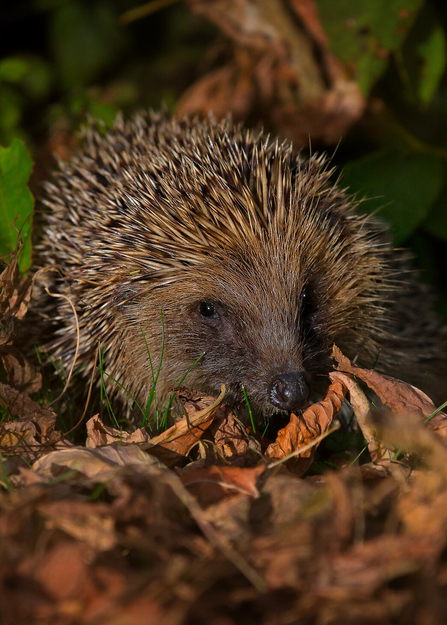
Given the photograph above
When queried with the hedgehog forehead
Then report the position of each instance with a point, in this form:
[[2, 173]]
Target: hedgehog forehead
[[235, 278]]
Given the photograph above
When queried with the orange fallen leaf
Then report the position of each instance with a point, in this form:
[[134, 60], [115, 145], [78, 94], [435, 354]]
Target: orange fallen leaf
[[362, 411], [63, 571], [211, 484], [176, 442], [173, 444], [397, 395], [99, 434], [301, 431]]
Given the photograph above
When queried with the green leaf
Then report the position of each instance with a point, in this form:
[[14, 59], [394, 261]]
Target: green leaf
[[433, 56], [362, 33], [401, 187], [15, 199]]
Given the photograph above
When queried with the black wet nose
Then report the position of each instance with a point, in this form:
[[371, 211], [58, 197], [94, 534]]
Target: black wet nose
[[289, 391]]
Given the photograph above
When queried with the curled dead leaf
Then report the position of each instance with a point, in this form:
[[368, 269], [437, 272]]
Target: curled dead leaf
[[22, 375], [233, 443], [33, 431], [362, 410], [99, 434], [301, 431], [397, 395], [176, 442]]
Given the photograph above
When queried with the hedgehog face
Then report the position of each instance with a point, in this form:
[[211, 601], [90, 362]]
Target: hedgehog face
[[273, 346], [283, 386]]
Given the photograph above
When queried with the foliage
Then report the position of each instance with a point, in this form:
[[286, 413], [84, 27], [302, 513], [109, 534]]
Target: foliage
[[384, 177], [16, 201], [362, 33]]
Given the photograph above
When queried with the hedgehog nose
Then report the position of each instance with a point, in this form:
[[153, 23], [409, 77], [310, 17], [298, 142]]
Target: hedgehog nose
[[289, 391]]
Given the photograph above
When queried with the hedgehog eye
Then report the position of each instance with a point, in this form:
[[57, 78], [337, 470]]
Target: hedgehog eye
[[208, 310], [307, 308]]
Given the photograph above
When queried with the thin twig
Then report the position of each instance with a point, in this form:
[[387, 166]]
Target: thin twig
[[88, 396], [78, 340]]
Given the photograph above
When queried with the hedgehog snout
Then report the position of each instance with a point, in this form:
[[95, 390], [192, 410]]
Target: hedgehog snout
[[289, 391]]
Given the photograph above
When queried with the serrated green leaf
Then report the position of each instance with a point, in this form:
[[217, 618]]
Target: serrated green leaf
[[362, 33], [15, 199], [433, 55], [400, 187]]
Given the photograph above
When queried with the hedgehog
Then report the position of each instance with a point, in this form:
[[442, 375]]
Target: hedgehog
[[200, 247]]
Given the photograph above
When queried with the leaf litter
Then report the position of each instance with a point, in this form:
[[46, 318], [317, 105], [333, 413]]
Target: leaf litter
[[209, 523]]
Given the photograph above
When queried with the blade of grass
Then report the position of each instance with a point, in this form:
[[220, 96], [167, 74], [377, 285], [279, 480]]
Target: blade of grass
[[358, 455], [164, 421], [438, 410], [153, 396], [249, 410], [128, 394]]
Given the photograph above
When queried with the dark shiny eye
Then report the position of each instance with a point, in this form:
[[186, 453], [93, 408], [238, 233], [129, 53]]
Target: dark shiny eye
[[309, 314], [208, 310]]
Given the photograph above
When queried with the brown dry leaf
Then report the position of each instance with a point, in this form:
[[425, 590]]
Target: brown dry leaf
[[21, 297], [99, 434], [97, 465], [10, 279], [22, 375], [230, 516], [9, 283], [175, 443], [362, 410], [33, 430], [18, 434], [211, 484], [399, 396], [87, 522], [193, 401], [300, 431], [15, 293], [231, 443], [423, 508], [228, 88], [20, 406], [279, 70], [407, 432]]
